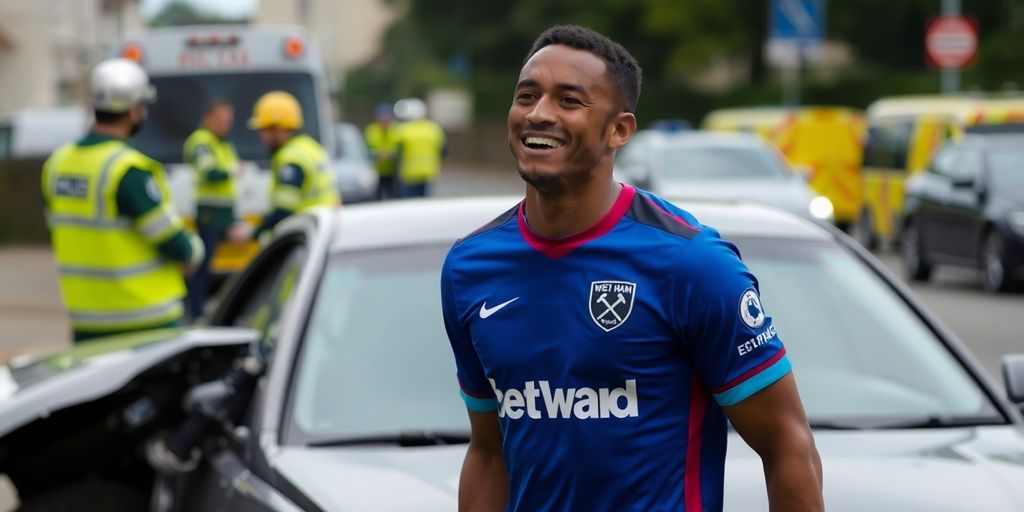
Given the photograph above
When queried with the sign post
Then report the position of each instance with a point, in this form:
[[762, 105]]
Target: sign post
[[951, 43], [796, 31]]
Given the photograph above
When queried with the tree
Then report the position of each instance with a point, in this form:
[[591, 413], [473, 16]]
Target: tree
[[182, 13]]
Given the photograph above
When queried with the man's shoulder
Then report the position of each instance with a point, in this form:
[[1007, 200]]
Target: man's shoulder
[[485, 234], [662, 215]]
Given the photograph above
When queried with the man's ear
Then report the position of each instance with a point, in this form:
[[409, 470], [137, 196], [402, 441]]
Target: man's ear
[[623, 126]]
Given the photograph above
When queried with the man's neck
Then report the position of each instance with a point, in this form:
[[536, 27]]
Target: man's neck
[[565, 214], [111, 130]]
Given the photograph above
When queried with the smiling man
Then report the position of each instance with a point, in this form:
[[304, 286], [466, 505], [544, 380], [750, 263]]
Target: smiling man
[[602, 335]]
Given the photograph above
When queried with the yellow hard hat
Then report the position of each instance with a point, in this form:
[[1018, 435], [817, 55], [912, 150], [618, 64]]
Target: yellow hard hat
[[276, 109]]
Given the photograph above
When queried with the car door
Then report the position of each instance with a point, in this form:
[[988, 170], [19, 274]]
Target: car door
[[933, 191], [963, 208], [235, 476]]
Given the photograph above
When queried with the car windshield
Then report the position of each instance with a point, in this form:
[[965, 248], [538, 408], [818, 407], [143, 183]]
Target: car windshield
[[351, 145], [376, 344], [1007, 166], [179, 105], [710, 163]]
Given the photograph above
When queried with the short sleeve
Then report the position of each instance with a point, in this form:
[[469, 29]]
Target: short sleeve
[[728, 333], [475, 388]]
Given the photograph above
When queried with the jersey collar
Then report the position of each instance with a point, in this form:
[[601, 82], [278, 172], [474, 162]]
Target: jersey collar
[[555, 248]]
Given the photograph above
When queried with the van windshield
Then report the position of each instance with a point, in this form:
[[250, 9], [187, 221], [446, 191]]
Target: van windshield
[[179, 106]]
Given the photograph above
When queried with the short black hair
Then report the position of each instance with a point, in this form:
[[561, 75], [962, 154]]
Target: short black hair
[[622, 67], [215, 103], [104, 117]]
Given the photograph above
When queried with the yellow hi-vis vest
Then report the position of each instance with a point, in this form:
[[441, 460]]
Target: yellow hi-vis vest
[[421, 143], [223, 157], [381, 141], [111, 276], [318, 185]]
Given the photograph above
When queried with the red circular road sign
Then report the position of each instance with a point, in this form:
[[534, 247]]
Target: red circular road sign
[[951, 42]]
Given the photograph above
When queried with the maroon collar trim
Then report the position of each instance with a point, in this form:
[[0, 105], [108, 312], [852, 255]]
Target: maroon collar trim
[[555, 248]]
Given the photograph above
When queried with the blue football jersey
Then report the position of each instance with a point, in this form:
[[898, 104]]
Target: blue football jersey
[[609, 354]]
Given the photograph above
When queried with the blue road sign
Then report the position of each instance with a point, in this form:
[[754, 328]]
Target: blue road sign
[[799, 21]]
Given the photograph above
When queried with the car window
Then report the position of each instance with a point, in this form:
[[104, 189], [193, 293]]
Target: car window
[[860, 352], [1006, 166], [887, 143], [970, 165], [702, 163], [257, 298], [375, 359], [377, 324], [945, 161]]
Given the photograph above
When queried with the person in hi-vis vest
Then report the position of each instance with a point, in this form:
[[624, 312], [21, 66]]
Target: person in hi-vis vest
[[120, 246], [420, 146], [380, 139], [214, 161], [301, 176]]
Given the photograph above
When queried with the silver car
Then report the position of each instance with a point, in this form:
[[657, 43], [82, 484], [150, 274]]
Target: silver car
[[351, 401], [353, 168], [716, 165]]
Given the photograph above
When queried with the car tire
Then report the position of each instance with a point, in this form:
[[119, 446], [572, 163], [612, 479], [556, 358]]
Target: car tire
[[994, 277], [866, 231], [915, 264]]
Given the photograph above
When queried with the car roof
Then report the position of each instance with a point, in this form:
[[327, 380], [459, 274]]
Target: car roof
[[704, 138], [427, 221]]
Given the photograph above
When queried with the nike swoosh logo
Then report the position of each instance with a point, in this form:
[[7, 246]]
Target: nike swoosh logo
[[484, 312]]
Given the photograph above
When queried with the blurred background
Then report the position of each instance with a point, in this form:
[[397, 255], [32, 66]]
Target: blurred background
[[462, 58]]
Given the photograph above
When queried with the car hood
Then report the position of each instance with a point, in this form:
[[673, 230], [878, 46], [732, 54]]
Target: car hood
[[791, 194], [928, 470], [94, 369]]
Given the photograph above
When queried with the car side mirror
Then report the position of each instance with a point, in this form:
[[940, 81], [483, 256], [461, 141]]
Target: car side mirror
[[1013, 376]]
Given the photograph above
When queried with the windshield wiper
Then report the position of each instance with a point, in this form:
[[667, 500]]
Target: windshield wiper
[[939, 421], [409, 438], [933, 421]]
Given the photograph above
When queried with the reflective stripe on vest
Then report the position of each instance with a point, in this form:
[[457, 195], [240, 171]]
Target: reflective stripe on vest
[[224, 157], [111, 275], [318, 184]]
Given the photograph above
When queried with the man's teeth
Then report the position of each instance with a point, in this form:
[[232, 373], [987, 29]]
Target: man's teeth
[[543, 141]]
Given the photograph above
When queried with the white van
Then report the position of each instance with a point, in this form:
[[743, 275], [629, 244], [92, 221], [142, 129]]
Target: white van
[[190, 65], [36, 132]]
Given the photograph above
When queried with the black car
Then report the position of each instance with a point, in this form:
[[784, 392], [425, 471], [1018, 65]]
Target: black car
[[967, 209]]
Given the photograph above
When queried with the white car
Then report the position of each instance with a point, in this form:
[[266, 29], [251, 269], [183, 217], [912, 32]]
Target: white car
[[717, 166], [355, 404]]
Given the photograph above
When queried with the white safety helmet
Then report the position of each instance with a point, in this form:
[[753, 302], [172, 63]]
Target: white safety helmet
[[116, 85], [410, 109]]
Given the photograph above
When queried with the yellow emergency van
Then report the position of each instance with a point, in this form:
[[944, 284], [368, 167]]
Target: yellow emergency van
[[825, 142], [903, 134]]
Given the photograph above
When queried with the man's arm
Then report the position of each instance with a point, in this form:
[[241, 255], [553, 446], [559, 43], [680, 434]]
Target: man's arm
[[285, 198], [773, 423], [483, 485], [140, 198], [206, 165]]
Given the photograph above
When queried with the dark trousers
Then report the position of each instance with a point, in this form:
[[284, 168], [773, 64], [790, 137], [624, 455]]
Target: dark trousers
[[387, 188], [199, 283], [415, 189]]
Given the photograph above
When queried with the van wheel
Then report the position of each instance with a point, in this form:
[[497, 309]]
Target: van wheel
[[915, 266], [866, 231], [994, 275]]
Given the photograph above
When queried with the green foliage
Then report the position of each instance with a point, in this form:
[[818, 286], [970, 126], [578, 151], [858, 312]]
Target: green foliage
[[673, 40], [182, 13]]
